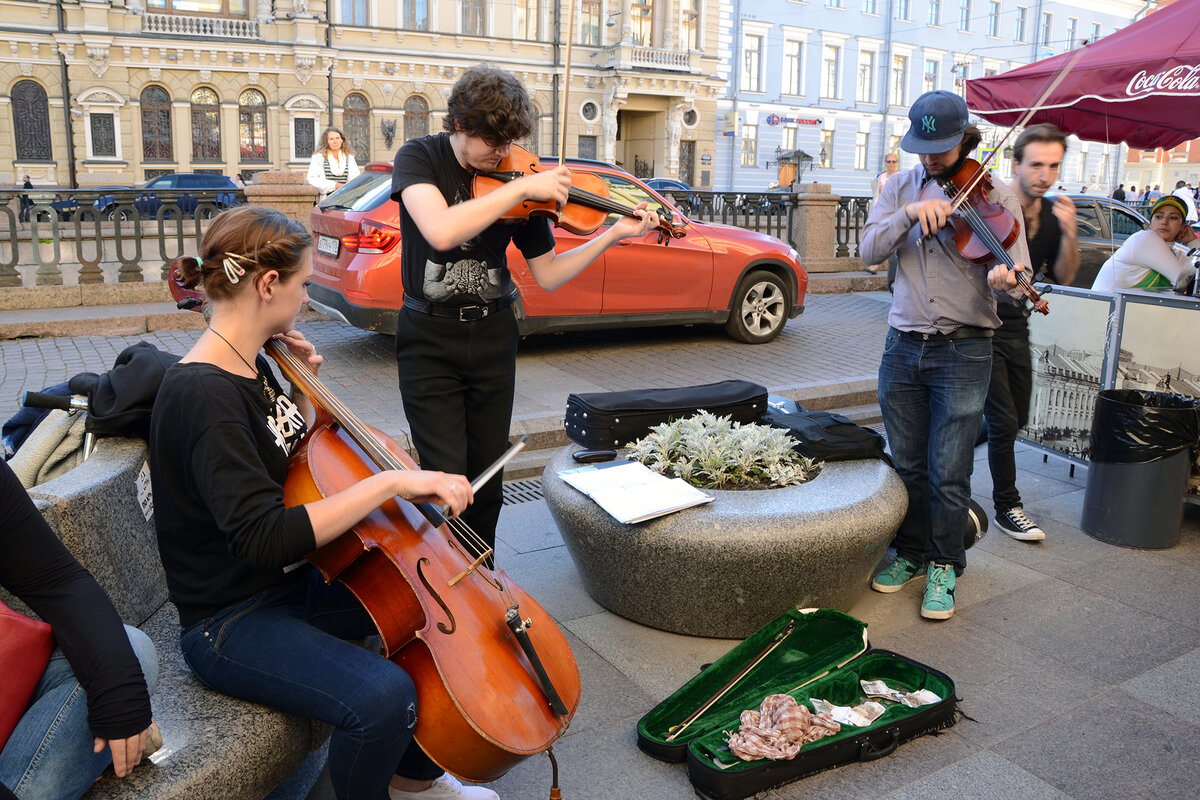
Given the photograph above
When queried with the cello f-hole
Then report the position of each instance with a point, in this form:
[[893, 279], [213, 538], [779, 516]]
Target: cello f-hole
[[421, 562]]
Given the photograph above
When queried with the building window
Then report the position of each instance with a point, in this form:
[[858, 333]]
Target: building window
[[894, 143], [1047, 27], [474, 17], [902, 10], [156, 125], [690, 25], [206, 125], [749, 145], [31, 121], [356, 121], [751, 62], [1081, 173], [833, 3], [416, 15], [252, 125], [354, 12], [589, 25], [304, 134], [530, 142], [930, 81], [861, 141], [102, 135], [529, 15], [1019, 32], [224, 8], [899, 80], [993, 25], [870, 7], [1072, 32], [866, 76], [643, 22], [935, 12], [1095, 31], [416, 118], [964, 15], [789, 138], [587, 147], [830, 77], [792, 65], [826, 156]]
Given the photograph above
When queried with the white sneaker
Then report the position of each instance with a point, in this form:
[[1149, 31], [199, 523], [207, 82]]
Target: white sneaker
[[446, 787], [1018, 526]]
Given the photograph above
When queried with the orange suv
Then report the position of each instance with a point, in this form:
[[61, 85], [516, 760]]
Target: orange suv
[[749, 282]]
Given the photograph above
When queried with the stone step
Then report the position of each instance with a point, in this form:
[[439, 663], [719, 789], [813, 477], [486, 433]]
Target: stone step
[[840, 282]]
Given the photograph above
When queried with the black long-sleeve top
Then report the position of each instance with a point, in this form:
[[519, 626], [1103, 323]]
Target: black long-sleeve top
[[219, 448], [36, 567]]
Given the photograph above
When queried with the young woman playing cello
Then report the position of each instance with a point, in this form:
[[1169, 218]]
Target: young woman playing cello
[[257, 621]]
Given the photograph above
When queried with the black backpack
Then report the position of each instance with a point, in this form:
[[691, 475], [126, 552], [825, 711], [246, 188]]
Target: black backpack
[[825, 436]]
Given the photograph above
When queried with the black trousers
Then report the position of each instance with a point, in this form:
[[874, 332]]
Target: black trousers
[[1006, 411], [457, 381]]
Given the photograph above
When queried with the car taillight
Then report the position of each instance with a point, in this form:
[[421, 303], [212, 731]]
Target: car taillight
[[371, 238]]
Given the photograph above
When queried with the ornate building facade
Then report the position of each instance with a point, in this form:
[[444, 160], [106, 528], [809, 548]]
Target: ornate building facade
[[115, 92]]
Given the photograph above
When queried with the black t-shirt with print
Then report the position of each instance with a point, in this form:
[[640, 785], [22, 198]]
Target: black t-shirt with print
[[477, 270], [1043, 253], [219, 449]]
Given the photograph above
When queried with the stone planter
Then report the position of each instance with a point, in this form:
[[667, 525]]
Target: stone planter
[[726, 568]]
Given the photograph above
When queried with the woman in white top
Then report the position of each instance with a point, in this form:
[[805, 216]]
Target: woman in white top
[[333, 163], [1147, 260]]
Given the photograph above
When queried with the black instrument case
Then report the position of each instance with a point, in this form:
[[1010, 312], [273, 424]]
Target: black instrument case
[[824, 656], [616, 419]]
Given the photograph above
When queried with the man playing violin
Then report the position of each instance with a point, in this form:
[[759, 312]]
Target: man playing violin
[[456, 336], [937, 357], [1053, 250]]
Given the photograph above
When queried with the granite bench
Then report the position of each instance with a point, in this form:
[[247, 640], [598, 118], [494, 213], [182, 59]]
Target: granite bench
[[214, 746], [726, 568]]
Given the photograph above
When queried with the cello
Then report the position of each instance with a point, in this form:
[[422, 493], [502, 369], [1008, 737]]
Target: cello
[[496, 680]]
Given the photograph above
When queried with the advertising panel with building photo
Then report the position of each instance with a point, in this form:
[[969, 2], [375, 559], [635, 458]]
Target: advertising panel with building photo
[[1067, 348], [1157, 352]]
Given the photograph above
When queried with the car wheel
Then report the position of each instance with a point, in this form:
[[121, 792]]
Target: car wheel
[[120, 215], [209, 212], [758, 309]]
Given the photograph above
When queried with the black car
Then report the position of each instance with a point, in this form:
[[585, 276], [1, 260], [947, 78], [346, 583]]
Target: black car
[[1103, 224], [177, 187]]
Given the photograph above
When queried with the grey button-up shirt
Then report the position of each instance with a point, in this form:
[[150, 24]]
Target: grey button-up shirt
[[936, 289]]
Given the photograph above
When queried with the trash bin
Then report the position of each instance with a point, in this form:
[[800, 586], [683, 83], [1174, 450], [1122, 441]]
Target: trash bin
[[1141, 456]]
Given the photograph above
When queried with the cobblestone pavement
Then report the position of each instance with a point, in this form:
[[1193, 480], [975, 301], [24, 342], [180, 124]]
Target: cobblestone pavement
[[838, 339]]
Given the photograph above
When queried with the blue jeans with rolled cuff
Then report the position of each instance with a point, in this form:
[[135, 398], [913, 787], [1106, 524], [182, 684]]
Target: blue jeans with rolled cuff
[[932, 395], [284, 648], [49, 755]]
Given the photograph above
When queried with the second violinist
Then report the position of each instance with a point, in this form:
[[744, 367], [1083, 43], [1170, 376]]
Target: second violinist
[[456, 336], [933, 379]]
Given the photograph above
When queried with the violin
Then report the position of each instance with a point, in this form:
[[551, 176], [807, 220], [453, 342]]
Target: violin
[[983, 230], [588, 201]]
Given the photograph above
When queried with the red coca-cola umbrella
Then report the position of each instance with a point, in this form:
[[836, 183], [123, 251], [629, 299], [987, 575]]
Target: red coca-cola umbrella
[[1140, 85]]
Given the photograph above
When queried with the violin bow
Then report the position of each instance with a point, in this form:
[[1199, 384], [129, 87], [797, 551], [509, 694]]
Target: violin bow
[[675, 730], [1020, 123], [562, 147]]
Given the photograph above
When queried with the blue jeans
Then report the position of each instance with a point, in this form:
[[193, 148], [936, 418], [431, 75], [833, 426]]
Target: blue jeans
[[49, 755], [284, 648], [932, 395]]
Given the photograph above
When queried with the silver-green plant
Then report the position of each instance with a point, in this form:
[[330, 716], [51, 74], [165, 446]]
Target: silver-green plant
[[716, 453]]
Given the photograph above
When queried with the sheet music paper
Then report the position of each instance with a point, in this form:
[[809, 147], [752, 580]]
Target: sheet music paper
[[632, 492]]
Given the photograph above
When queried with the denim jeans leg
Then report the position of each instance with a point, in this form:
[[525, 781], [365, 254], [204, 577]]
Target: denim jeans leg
[[49, 755], [957, 374], [264, 650], [904, 401]]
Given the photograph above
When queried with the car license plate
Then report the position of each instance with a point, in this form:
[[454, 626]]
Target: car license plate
[[328, 246]]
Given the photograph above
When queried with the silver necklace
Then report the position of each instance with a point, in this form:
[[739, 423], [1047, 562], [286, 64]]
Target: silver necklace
[[268, 392]]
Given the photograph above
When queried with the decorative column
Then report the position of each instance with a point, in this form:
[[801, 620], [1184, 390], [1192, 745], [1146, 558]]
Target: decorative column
[[287, 192], [814, 228]]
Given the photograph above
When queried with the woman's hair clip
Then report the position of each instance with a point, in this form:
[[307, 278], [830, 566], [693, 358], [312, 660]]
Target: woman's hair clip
[[199, 262], [233, 266]]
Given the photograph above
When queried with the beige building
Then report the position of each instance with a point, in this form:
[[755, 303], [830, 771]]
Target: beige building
[[229, 86]]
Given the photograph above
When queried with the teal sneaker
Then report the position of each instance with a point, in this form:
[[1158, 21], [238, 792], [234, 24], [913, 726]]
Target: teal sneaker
[[897, 575], [938, 602]]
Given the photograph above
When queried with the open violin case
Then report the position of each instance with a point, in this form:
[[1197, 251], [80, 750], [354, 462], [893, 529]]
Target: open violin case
[[824, 655]]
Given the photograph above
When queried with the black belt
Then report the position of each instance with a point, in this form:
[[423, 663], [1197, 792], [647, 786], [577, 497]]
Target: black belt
[[965, 332], [460, 313]]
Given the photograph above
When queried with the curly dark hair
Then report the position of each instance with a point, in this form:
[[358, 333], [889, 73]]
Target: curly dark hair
[[490, 103]]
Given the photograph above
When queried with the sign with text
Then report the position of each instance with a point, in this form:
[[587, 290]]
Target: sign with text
[[775, 119]]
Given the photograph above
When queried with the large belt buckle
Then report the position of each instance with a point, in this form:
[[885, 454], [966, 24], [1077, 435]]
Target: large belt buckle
[[472, 313]]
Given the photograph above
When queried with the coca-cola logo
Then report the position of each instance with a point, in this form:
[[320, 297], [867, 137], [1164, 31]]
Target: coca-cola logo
[[1184, 79]]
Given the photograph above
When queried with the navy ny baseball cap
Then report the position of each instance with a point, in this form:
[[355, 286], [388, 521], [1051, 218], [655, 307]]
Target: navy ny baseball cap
[[937, 120]]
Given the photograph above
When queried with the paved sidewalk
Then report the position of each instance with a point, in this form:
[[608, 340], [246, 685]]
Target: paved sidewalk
[[1077, 661]]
